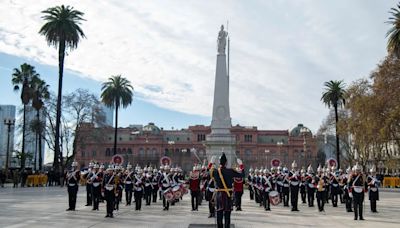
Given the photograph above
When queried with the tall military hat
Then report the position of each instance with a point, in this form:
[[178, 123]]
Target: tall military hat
[[223, 160]]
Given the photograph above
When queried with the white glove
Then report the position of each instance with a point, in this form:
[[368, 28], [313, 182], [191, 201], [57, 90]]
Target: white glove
[[212, 160], [351, 195]]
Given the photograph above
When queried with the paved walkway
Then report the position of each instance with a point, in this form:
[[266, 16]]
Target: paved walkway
[[45, 207]]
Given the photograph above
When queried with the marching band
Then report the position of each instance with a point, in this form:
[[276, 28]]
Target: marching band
[[266, 187]]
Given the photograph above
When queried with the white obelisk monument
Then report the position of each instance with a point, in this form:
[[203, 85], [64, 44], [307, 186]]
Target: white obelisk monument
[[221, 140]]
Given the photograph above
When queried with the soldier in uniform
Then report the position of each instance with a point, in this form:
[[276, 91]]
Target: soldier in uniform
[[210, 190], [165, 183], [320, 181], [285, 187], [128, 181], [223, 180], [96, 179], [373, 192], [357, 187], [250, 183], [310, 184], [303, 192], [73, 177], [341, 186], [238, 190], [256, 184], [160, 174], [109, 190], [154, 184], [268, 186], [147, 185], [294, 178], [346, 197], [138, 189], [335, 189], [89, 185], [194, 187]]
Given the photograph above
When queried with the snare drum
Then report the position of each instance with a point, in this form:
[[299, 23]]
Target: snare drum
[[274, 198], [169, 195]]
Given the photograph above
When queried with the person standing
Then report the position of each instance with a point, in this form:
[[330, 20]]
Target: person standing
[[373, 192], [89, 185], [320, 181], [210, 190], [310, 184], [357, 187], [96, 179], [147, 185], [303, 192], [128, 178], [223, 180], [16, 178], [294, 178], [73, 177], [285, 187], [138, 189], [154, 184], [109, 189], [194, 187], [250, 183], [268, 186], [335, 188], [238, 190], [165, 183], [346, 197]]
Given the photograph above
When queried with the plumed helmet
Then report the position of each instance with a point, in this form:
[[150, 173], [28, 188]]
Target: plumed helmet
[[273, 169], [145, 169], [340, 170], [319, 169], [310, 169], [74, 164], [102, 166], [155, 170], [357, 167], [161, 167], [285, 169], [294, 165], [150, 169], [129, 166], [166, 167], [250, 170], [348, 170], [373, 169], [91, 164], [96, 166], [279, 168], [256, 170], [302, 170], [140, 171], [223, 159]]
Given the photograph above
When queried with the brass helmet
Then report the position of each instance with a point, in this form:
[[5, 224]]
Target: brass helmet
[[357, 167]]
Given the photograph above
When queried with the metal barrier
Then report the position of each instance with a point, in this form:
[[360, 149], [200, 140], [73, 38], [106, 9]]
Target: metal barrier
[[391, 182]]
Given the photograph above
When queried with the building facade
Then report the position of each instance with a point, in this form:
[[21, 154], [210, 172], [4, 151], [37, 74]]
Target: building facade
[[7, 112], [145, 145]]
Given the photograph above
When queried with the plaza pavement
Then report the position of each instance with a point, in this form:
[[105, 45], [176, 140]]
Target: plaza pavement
[[45, 207]]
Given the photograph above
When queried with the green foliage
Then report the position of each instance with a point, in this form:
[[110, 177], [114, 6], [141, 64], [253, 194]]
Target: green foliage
[[117, 91]]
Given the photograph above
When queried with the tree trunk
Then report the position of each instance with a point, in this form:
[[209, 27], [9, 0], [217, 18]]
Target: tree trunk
[[337, 136], [57, 153], [116, 129], [40, 140], [23, 140]]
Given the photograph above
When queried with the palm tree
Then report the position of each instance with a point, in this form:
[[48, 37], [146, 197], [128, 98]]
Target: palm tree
[[62, 31], [334, 95], [41, 91], [393, 44], [23, 77], [117, 91]]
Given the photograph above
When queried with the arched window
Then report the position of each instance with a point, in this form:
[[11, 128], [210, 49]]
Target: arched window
[[129, 151]]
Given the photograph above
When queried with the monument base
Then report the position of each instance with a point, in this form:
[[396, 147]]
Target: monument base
[[216, 144]]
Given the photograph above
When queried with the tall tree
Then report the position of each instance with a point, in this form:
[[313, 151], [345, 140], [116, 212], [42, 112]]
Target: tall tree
[[117, 91], [24, 77], [41, 92], [334, 95], [61, 30], [393, 43]]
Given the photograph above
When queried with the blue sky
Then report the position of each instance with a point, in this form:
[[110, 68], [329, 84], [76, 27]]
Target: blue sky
[[281, 54]]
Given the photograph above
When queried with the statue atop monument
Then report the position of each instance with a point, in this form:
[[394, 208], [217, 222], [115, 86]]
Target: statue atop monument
[[222, 40]]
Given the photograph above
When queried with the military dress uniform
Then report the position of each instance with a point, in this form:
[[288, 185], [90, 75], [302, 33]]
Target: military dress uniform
[[165, 183], [73, 177], [209, 194], [373, 190], [268, 186], [285, 188], [194, 187], [138, 190], [154, 184], [89, 186], [148, 187], [303, 187], [109, 190], [357, 186], [250, 184], [335, 189], [294, 189], [128, 180], [96, 180], [223, 181], [238, 191], [320, 180]]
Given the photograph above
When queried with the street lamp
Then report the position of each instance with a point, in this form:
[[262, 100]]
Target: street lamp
[[304, 131], [266, 151], [9, 123]]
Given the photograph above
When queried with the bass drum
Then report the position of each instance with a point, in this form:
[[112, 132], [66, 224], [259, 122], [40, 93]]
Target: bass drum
[[183, 189], [177, 192], [169, 195], [274, 198]]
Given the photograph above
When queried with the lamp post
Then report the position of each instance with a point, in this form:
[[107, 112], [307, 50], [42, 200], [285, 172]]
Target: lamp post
[[304, 131], [279, 144], [266, 151], [9, 123]]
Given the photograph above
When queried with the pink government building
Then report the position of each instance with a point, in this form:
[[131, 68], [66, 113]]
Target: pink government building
[[146, 145]]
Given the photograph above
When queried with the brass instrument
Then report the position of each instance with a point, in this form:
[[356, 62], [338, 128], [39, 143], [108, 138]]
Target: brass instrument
[[321, 184], [116, 181]]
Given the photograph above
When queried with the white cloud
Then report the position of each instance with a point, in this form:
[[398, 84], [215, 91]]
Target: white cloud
[[282, 51]]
